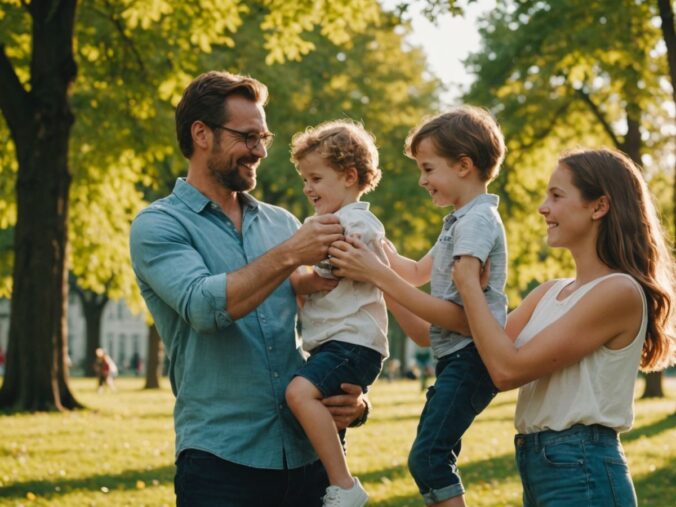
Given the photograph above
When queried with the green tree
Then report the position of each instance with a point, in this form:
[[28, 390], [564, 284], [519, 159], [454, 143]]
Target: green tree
[[133, 55], [555, 83]]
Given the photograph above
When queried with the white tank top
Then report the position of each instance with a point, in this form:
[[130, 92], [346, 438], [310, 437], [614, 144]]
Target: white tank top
[[597, 390]]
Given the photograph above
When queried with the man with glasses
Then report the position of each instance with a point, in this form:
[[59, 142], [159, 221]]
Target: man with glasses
[[213, 264]]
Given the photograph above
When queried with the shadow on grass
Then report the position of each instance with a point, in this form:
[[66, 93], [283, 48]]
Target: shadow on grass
[[658, 488], [497, 469], [123, 481], [666, 423]]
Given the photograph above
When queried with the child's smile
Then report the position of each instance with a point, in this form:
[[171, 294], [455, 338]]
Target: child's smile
[[326, 188]]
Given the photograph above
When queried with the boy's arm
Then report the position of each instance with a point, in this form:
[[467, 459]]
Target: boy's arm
[[416, 273], [413, 326], [354, 260], [305, 281]]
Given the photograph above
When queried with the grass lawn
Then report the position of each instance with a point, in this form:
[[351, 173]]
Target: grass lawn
[[120, 451]]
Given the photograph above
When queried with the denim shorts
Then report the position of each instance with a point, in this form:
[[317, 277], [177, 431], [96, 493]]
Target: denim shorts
[[205, 480], [335, 363], [582, 466], [462, 390]]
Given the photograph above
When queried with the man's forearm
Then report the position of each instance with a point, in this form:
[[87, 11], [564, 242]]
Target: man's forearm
[[247, 287]]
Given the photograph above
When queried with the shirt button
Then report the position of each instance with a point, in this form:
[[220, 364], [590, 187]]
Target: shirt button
[[281, 406], [275, 374], [269, 347]]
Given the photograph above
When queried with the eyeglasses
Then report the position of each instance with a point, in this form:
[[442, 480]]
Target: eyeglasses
[[251, 139]]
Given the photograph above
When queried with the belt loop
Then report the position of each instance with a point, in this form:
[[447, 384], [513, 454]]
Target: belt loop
[[595, 432], [536, 440]]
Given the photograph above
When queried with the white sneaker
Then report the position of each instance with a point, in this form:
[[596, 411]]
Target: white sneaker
[[339, 497]]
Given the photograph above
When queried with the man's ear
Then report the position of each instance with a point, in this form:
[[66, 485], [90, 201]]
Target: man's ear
[[601, 207], [200, 134]]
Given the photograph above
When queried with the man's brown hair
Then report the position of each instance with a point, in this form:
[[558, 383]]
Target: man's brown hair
[[204, 100]]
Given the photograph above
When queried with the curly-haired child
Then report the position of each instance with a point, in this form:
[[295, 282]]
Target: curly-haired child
[[343, 329]]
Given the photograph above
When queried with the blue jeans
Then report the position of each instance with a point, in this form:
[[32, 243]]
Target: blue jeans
[[582, 466], [335, 363], [204, 480], [462, 390]]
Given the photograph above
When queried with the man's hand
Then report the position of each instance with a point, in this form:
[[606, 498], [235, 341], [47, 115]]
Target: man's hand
[[310, 244], [345, 408]]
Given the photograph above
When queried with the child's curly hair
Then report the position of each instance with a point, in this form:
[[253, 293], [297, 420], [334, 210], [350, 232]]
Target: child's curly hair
[[343, 144]]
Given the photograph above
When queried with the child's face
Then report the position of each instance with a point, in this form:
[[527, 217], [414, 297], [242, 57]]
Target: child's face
[[327, 189], [438, 175]]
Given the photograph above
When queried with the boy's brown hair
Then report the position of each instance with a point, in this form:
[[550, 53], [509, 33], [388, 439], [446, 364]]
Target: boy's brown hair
[[465, 131], [343, 144]]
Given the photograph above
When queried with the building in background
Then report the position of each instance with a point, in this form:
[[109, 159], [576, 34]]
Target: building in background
[[122, 334]]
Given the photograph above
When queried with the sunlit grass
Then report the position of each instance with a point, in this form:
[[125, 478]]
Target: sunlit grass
[[121, 450]]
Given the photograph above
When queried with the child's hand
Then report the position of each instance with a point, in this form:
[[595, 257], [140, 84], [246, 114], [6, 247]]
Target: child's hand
[[310, 282], [352, 259], [389, 249]]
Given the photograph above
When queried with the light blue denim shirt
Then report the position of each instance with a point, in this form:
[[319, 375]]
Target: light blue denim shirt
[[228, 376], [476, 230]]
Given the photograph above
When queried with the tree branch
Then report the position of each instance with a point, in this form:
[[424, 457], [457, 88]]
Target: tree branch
[[545, 131], [599, 116], [14, 102]]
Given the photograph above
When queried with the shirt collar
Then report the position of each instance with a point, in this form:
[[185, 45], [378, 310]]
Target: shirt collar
[[197, 201], [479, 199], [361, 205]]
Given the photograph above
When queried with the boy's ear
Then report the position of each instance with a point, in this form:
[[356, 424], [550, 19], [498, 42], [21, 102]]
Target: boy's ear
[[465, 165], [351, 176]]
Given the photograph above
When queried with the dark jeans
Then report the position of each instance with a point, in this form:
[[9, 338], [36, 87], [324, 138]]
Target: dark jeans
[[462, 390], [204, 480]]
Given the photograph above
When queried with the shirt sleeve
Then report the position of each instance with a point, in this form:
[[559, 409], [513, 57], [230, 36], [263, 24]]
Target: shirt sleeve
[[474, 236], [166, 262]]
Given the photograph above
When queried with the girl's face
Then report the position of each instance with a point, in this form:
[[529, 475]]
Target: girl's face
[[567, 214], [327, 189], [438, 175]]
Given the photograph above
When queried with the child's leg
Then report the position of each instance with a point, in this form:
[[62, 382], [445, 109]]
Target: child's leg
[[462, 390], [304, 400]]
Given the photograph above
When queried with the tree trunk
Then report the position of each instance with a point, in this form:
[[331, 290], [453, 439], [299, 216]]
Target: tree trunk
[[669, 34], [154, 359], [93, 305], [36, 376], [653, 385]]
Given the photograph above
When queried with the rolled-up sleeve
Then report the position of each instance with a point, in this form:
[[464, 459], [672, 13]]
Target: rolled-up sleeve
[[166, 263]]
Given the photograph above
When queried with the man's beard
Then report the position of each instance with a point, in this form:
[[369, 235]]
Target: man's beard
[[229, 177]]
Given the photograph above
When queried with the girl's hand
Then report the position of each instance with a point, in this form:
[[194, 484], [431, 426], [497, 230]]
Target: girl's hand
[[466, 272], [352, 259]]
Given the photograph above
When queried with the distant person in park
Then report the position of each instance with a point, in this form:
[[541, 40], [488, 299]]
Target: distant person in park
[[423, 360], [344, 326], [458, 154], [213, 265], [136, 364], [105, 369], [574, 345]]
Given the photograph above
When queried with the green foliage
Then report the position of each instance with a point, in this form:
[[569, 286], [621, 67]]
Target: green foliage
[[121, 452], [134, 58], [555, 83]]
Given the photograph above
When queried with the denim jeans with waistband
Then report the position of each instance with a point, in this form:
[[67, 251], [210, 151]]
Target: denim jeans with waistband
[[583, 466]]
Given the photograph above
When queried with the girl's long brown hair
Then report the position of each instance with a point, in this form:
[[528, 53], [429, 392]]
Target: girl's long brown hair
[[631, 240]]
